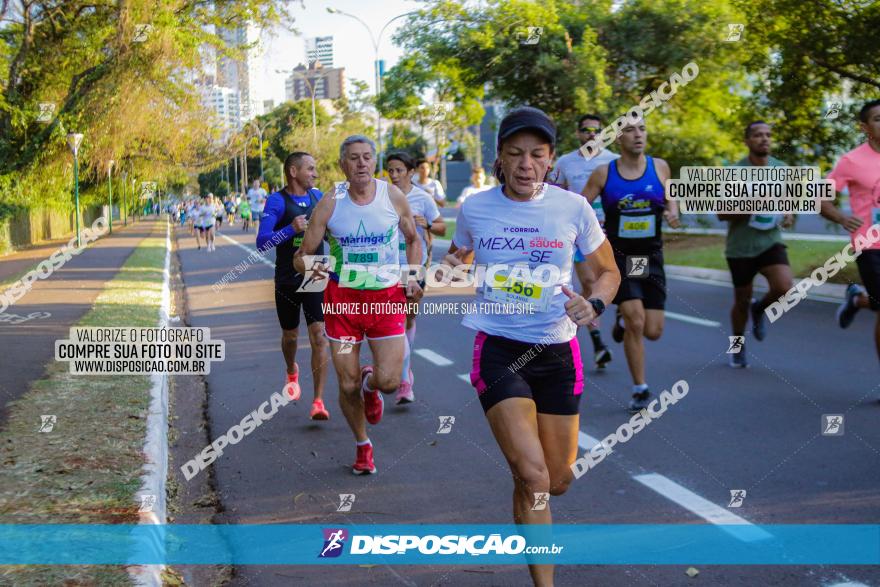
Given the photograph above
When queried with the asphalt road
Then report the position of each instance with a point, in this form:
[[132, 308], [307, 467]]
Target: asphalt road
[[756, 429], [57, 303]]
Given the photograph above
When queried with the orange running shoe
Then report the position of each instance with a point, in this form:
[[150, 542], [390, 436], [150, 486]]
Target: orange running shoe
[[319, 412], [292, 387]]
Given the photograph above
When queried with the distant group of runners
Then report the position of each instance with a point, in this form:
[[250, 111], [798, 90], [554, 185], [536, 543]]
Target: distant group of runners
[[599, 214]]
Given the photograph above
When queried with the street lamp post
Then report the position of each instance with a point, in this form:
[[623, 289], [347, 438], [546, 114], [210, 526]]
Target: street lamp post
[[73, 141], [235, 172], [124, 202], [110, 190], [260, 130], [376, 41]]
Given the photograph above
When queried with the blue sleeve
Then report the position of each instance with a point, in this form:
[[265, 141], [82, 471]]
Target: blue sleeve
[[274, 210]]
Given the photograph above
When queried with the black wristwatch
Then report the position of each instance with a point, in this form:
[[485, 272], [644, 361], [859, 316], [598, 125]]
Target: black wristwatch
[[598, 305]]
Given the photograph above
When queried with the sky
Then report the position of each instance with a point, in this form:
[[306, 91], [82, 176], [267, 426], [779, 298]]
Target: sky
[[352, 48]]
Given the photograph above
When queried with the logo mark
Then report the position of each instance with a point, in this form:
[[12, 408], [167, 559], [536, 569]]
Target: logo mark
[[832, 424], [47, 111], [47, 423], [446, 423], [532, 36], [734, 32], [636, 266], [541, 501], [346, 500], [334, 542], [148, 189], [833, 110], [346, 344], [737, 496], [147, 503], [736, 344], [341, 190], [315, 278], [141, 32], [440, 112]]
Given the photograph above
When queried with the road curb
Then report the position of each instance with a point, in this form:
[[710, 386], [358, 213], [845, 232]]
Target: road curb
[[827, 292], [153, 481]]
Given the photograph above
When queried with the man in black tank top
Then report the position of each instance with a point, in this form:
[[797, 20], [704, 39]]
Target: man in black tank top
[[285, 218], [635, 205]]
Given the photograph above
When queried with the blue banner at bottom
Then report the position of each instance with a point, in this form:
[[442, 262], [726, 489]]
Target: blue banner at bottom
[[301, 544]]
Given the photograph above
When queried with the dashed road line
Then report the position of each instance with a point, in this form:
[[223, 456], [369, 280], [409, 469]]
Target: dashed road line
[[433, 357]]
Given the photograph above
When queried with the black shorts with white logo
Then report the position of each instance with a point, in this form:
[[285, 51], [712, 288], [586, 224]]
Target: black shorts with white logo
[[648, 284]]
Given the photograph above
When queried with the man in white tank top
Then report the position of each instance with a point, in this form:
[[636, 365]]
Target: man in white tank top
[[364, 222]]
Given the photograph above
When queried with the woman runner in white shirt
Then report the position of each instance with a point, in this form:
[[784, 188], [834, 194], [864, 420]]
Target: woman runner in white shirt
[[527, 367]]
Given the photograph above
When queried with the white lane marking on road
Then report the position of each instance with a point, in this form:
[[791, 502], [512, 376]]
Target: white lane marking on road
[[682, 496], [692, 319], [249, 250], [702, 507], [689, 500], [585, 441], [433, 357]]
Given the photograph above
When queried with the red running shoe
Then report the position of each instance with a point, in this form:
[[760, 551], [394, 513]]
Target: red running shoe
[[364, 463], [374, 405], [292, 387], [319, 412]]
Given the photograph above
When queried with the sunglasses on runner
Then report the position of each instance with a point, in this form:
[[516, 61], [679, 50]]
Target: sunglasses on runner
[[588, 130]]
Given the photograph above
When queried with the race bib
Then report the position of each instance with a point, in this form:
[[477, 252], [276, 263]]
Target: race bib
[[764, 221], [362, 255], [637, 226], [519, 291]]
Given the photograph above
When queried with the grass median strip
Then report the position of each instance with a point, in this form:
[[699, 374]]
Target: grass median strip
[[708, 251], [88, 467]]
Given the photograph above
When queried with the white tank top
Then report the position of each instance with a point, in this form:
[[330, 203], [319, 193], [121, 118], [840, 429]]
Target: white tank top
[[364, 240]]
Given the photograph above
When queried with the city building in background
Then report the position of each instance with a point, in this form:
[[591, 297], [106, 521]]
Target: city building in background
[[245, 73], [226, 105], [328, 82], [320, 49]]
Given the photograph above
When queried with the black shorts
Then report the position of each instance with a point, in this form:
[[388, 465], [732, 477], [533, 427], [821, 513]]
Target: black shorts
[[288, 302], [650, 287], [551, 375], [744, 269], [205, 228], [869, 270]]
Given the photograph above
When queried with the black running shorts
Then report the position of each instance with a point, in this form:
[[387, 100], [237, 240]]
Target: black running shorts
[[650, 286], [551, 375], [288, 301], [869, 270], [744, 269]]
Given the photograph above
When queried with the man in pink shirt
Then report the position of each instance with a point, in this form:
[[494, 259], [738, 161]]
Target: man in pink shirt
[[859, 171]]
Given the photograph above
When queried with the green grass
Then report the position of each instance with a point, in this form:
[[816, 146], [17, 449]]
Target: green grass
[[450, 228], [87, 469], [708, 251]]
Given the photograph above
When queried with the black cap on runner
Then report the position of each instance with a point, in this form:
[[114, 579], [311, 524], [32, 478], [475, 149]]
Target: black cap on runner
[[526, 118]]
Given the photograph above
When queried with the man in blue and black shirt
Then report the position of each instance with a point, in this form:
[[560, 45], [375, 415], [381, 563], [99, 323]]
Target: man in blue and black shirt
[[282, 225]]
